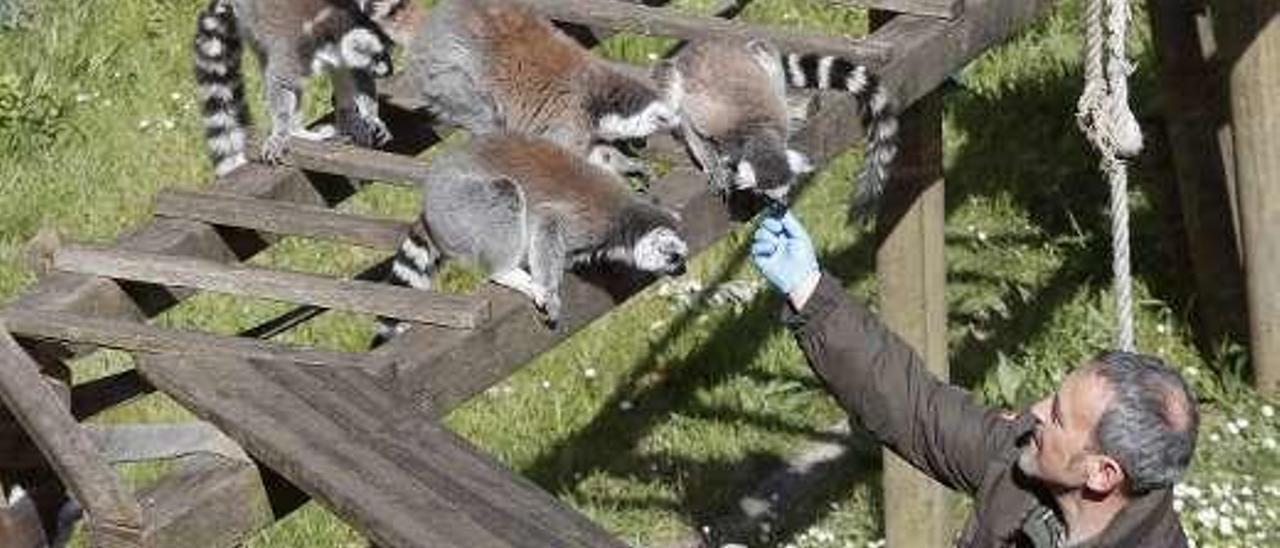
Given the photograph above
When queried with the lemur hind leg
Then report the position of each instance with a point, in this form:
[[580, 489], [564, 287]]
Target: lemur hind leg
[[284, 95], [356, 109]]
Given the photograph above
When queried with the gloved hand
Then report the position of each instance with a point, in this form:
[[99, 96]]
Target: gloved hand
[[783, 252]]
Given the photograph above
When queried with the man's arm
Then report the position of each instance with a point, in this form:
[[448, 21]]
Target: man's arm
[[883, 383]]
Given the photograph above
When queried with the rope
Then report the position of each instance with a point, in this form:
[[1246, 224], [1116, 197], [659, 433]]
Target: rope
[[1103, 115]]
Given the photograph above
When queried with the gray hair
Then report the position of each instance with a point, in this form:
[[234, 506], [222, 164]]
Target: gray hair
[[1150, 424]]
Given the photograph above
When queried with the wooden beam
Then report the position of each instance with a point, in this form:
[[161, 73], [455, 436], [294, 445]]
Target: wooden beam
[[911, 268], [209, 501], [641, 19], [354, 162], [279, 217], [116, 517], [399, 476], [138, 337], [1194, 96], [947, 9], [1250, 36], [457, 311]]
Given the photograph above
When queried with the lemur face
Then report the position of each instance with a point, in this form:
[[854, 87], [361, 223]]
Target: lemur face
[[771, 178], [364, 49], [656, 116], [661, 251]]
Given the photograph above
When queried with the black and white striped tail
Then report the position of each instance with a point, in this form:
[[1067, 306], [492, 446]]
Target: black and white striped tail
[[413, 265], [813, 71], [220, 85]]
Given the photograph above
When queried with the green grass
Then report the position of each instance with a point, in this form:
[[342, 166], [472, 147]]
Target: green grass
[[655, 419]]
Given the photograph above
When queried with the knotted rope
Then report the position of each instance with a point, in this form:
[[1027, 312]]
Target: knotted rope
[[1103, 115]]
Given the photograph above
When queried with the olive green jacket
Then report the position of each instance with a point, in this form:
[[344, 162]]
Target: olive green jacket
[[940, 430]]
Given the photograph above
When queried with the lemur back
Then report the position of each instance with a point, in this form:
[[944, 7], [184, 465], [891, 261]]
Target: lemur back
[[526, 209], [490, 65], [733, 100], [294, 40]]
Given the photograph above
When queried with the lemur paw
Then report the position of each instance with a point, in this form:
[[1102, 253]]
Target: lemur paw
[[549, 310], [275, 147], [365, 131], [320, 133]]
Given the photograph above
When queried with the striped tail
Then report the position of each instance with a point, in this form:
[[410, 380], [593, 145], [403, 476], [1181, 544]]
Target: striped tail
[[220, 86], [875, 106], [413, 265]]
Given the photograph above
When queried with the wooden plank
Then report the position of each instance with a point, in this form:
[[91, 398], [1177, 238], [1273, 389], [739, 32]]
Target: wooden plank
[[1194, 97], [353, 162], [641, 19], [400, 477], [1250, 36], [115, 516], [279, 217], [457, 311], [947, 9], [138, 337], [911, 268], [209, 501]]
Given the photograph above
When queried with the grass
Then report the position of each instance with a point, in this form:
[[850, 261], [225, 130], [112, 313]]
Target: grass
[[657, 418]]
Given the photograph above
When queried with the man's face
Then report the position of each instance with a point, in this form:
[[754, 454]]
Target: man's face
[[1061, 452]]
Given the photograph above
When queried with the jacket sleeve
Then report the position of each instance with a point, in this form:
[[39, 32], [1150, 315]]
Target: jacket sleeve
[[882, 383]]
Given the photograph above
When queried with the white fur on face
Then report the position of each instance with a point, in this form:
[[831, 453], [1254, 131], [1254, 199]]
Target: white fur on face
[[778, 192], [654, 118], [745, 176], [358, 48], [660, 250]]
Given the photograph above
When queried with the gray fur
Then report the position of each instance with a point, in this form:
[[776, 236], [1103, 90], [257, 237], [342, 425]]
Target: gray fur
[[525, 210], [494, 65], [293, 40], [736, 118]]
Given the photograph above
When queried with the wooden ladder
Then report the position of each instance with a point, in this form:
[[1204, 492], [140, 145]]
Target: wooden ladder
[[361, 431]]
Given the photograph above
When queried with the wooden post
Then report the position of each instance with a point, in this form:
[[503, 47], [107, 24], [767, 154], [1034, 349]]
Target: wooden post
[[1194, 111], [1250, 36], [912, 273]]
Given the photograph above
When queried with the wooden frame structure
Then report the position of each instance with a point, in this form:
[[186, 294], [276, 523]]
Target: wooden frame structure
[[360, 431]]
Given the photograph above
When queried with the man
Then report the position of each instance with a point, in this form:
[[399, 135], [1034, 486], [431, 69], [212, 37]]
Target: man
[[1091, 465]]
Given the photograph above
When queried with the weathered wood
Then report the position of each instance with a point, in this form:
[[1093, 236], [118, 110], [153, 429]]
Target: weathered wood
[[948, 9], [912, 273], [1250, 36], [353, 162], [458, 311], [1193, 98], [926, 51], [209, 501], [138, 337], [116, 517], [635, 18], [397, 475], [280, 217]]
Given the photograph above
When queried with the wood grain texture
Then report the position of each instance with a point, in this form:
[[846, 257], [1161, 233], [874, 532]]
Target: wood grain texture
[[372, 458], [457, 311], [279, 217], [641, 19], [137, 337]]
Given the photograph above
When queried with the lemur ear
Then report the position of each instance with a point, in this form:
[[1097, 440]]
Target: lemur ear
[[798, 162]]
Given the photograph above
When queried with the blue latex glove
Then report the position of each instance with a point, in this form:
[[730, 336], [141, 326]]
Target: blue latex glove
[[783, 252]]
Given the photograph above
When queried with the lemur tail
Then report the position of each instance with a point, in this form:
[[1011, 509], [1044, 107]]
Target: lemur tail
[[220, 85], [875, 107], [413, 265]]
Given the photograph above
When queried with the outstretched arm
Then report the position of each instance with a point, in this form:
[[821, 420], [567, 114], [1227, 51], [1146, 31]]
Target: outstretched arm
[[877, 378]]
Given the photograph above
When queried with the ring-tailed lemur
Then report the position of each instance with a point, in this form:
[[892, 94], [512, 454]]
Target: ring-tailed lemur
[[526, 209], [490, 65], [733, 101], [293, 39]]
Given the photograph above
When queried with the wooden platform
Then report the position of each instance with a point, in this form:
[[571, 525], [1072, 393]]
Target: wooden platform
[[360, 432]]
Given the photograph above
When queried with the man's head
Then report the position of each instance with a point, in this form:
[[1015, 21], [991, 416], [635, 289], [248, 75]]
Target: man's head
[[1123, 423]]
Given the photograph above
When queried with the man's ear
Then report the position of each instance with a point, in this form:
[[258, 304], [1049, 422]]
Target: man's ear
[[1104, 474]]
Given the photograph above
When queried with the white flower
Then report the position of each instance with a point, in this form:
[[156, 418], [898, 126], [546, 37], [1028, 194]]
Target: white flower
[[1191, 371], [169, 124], [1269, 444], [652, 56], [589, 372], [1268, 411], [1177, 505], [546, 385], [175, 96], [626, 405], [1246, 491], [1232, 428], [144, 124], [1215, 438], [1225, 527], [1242, 423], [1161, 329], [1207, 516], [982, 236]]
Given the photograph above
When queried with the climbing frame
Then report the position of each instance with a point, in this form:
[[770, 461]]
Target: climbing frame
[[361, 431]]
